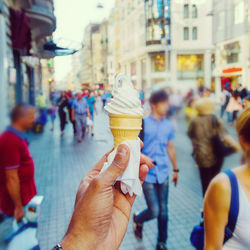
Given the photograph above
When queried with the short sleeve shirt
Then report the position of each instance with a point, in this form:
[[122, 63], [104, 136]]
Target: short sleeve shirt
[[157, 135], [81, 106], [14, 154], [91, 101]]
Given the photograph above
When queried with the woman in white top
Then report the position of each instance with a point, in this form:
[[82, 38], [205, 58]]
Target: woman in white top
[[218, 198]]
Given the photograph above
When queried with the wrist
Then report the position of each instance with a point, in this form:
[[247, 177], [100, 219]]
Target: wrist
[[18, 206], [176, 170], [73, 241]]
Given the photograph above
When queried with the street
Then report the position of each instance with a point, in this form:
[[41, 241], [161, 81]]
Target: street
[[61, 163]]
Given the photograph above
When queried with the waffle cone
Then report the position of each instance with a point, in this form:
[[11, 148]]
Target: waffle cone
[[125, 127]]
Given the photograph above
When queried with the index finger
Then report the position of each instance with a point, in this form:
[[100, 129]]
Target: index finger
[[99, 165]]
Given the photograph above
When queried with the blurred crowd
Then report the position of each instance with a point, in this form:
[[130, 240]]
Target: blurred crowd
[[204, 113]]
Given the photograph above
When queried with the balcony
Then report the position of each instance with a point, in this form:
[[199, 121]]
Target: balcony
[[42, 18]]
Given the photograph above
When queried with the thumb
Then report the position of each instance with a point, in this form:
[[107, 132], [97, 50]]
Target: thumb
[[117, 167]]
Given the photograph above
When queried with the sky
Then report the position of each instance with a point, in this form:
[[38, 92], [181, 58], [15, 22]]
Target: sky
[[72, 16]]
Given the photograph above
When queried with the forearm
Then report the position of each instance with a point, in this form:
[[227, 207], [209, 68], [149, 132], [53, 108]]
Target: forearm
[[172, 156], [13, 187]]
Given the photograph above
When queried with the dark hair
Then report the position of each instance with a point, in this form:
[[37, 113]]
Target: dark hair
[[243, 125], [235, 94], [19, 111], [158, 96]]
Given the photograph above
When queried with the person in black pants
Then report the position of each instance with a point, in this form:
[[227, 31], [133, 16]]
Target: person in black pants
[[70, 103], [62, 103], [201, 131]]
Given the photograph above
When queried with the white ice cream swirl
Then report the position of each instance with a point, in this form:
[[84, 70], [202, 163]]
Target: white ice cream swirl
[[125, 98]]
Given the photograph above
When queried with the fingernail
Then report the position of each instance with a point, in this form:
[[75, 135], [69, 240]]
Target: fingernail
[[122, 151]]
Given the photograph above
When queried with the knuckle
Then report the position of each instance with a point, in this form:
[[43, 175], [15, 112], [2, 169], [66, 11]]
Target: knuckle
[[96, 183]]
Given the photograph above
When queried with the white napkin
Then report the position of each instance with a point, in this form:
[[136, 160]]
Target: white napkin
[[130, 182]]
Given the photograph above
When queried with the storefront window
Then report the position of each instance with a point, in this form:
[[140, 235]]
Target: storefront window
[[158, 63], [189, 66]]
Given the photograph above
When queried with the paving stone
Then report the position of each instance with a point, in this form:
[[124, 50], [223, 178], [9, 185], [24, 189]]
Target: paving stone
[[61, 163]]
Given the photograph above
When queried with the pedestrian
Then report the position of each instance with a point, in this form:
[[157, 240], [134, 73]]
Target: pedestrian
[[242, 92], [108, 96], [17, 183], [201, 132], [190, 110], [175, 101], [142, 97], [52, 115], [157, 135], [247, 102], [101, 212], [224, 100], [70, 104], [62, 104], [92, 108], [234, 106], [41, 102], [104, 98], [220, 194], [80, 111]]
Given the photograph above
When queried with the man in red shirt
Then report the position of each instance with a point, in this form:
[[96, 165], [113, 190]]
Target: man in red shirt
[[17, 184]]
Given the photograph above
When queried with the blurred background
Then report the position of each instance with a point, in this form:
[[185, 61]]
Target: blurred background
[[49, 50]]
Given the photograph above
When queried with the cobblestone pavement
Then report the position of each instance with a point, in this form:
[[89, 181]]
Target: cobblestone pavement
[[61, 163]]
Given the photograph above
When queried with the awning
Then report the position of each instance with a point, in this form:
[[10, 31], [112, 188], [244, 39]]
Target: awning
[[20, 31], [51, 48]]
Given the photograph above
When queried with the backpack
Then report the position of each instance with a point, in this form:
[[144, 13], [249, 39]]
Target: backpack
[[197, 236]]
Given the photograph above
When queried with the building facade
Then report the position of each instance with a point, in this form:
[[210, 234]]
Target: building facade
[[162, 43], [21, 48], [133, 53], [192, 50], [231, 29], [95, 54]]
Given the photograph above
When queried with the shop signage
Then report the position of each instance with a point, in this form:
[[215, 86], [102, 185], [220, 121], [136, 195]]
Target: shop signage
[[231, 70]]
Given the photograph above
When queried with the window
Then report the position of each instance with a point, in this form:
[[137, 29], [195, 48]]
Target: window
[[239, 13], [195, 33], [186, 33], [158, 63], [232, 52], [190, 66], [186, 11], [194, 11]]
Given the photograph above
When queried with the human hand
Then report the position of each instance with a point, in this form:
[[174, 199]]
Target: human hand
[[19, 213], [102, 211], [175, 178], [148, 161]]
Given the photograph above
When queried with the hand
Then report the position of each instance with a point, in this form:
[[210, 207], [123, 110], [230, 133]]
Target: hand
[[19, 213], [73, 118], [102, 211], [175, 178], [148, 161]]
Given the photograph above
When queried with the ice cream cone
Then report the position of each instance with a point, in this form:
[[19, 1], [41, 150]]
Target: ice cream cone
[[124, 127]]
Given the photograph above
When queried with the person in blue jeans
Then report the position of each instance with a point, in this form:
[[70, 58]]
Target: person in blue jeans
[[92, 107], [157, 135]]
